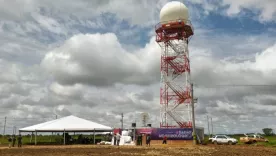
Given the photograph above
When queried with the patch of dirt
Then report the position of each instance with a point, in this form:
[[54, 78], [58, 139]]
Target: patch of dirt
[[243, 150], [85, 150]]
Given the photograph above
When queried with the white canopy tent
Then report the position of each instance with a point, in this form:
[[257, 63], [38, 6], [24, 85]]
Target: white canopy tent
[[67, 124]]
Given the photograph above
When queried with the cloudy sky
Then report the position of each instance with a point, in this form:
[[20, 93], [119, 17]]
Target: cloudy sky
[[97, 59]]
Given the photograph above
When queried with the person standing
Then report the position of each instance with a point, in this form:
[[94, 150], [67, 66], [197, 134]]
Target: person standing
[[13, 140], [139, 140], [165, 139], [114, 139], [118, 137], [10, 141], [19, 140], [148, 138]]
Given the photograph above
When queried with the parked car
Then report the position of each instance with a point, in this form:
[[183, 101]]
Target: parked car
[[211, 138], [224, 139], [252, 138]]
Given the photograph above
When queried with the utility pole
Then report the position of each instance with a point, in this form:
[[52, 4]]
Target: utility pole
[[193, 113], [5, 126], [212, 126], [122, 121], [208, 125], [14, 130]]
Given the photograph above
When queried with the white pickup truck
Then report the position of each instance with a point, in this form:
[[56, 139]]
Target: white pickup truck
[[223, 139]]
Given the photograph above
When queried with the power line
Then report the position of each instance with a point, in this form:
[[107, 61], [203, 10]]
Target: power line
[[234, 85]]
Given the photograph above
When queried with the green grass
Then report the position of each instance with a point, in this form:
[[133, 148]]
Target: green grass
[[58, 139], [272, 140], [44, 139]]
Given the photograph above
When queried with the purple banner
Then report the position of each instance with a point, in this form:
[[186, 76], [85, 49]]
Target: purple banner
[[172, 133]]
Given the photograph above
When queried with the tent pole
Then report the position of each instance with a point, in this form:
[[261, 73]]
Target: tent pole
[[64, 137], [94, 137], [134, 135], [35, 137], [31, 137]]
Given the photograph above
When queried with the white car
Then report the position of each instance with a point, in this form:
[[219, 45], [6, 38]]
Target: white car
[[224, 139], [211, 138]]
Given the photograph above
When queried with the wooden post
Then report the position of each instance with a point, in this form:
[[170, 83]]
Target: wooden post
[[35, 137]]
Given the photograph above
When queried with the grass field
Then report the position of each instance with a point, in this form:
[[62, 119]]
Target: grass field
[[272, 140], [45, 139], [55, 139]]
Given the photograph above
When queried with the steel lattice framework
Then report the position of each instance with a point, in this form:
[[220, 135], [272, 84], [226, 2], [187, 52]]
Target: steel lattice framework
[[175, 91]]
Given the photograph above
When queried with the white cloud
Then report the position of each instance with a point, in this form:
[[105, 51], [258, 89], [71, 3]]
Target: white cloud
[[99, 59], [15, 10], [266, 8], [9, 72], [48, 23], [137, 12], [265, 60], [67, 91]]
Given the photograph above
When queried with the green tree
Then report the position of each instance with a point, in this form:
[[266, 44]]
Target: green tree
[[268, 131]]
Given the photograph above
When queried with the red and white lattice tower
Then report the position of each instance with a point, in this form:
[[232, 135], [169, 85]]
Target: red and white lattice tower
[[173, 34]]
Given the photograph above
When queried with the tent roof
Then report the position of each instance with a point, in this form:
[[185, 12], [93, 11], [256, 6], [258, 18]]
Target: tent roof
[[68, 124]]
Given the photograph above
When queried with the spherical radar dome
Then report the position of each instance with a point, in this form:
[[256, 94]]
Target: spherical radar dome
[[173, 11]]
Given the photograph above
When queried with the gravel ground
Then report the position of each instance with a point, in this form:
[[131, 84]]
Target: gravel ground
[[80, 150]]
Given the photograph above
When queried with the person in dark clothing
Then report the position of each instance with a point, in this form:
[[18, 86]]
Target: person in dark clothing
[[114, 139], [118, 137], [148, 138], [10, 141], [19, 140], [139, 140], [13, 140], [165, 139]]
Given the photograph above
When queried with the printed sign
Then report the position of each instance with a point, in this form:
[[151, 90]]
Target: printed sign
[[172, 133], [144, 131]]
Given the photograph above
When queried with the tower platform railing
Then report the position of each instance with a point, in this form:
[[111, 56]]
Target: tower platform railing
[[175, 29]]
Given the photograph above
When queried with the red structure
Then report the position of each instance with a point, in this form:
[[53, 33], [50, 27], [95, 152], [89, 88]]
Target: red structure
[[175, 91]]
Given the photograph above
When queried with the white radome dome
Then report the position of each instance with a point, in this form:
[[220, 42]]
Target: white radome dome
[[173, 10]]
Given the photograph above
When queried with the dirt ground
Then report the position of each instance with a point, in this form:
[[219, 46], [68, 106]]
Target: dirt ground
[[77, 150]]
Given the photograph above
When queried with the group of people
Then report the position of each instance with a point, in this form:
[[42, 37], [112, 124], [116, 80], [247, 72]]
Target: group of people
[[116, 139], [140, 140], [148, 139], [12, 141]]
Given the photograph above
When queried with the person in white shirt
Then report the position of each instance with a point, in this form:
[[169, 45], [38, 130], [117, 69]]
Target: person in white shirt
[[118, 136]]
